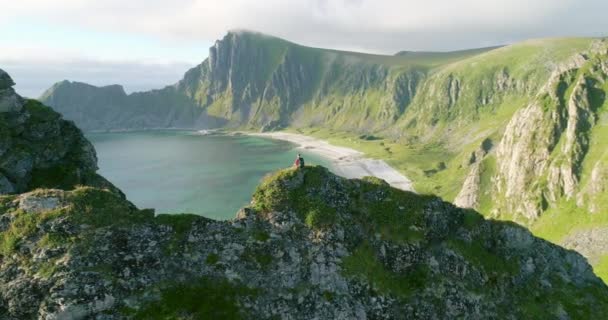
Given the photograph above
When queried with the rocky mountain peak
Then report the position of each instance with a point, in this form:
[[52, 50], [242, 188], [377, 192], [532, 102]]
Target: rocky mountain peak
[[67, 85], [5, 80], [9, 100]]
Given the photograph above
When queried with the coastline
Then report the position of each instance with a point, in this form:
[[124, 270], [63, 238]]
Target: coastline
[[348, 163]]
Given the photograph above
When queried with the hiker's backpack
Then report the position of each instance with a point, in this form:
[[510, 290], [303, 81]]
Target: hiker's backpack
[[301, 162]]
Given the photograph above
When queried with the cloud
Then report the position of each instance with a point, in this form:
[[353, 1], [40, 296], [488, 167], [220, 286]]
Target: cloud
[[380, 26], [371, 25]]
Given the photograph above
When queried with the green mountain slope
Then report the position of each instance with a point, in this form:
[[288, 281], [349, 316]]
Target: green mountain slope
[[516, 132], [255, 80]]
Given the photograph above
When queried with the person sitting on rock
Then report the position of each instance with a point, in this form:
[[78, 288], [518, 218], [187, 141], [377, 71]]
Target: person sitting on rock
[[299, 162]]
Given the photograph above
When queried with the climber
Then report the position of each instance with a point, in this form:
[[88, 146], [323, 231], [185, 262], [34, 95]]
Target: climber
[[299, 162]]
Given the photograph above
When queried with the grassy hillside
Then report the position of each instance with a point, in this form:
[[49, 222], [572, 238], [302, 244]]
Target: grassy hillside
[[450, 129]]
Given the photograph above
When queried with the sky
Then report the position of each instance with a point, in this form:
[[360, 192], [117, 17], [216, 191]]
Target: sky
[[145, 44]]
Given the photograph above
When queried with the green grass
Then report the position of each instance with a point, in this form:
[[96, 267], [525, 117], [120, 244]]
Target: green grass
[[565, 218], [274, 193], [91, 207], [411, 160], [397, 216], [471, 219], [601, 268], [363, 264], [46, 269], [212, 259], [100, 208], [181, 224], [39, 112], [205, 298], [258, 257], [261, 235], [573, 299], [51, 240], [393, 213], [478, 255], [317, 219], [24, 225]]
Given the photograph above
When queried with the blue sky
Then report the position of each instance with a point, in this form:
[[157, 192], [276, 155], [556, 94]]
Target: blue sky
[[144, 44]]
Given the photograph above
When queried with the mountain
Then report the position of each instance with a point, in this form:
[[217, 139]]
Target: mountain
[[254, 80], [516, 132], [309, 245], [109, 107]]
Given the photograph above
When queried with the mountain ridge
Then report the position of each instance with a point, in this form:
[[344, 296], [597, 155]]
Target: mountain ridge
[[278, 47]]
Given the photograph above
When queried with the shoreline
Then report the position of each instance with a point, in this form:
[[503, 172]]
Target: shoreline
[[349, 163]]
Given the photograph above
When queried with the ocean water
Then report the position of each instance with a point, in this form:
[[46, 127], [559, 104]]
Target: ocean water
[[184, 172]]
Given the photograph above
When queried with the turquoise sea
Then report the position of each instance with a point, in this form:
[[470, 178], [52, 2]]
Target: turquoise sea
[[185, 172]]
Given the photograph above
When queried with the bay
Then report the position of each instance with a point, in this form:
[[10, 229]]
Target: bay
[[185, 172]]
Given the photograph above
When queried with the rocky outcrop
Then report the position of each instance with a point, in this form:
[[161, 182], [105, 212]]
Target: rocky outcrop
[[597, 187], [522, 155], [470, 193], [310, 245], [564, 173], [468, 197], [40, 149], [9, 100], [540, 157]]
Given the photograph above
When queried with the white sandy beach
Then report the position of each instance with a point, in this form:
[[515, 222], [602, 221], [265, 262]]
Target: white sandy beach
[[348, 163]]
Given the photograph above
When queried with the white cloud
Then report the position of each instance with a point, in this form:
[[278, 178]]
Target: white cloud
[[383, 26], [367, 24]]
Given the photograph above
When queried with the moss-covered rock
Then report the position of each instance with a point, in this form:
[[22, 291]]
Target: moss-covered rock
[[311, 244], [38, 149]]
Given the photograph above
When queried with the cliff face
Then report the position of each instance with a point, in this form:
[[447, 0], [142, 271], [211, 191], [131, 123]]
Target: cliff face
[[258, 81], [545, 143], [38, 148]]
